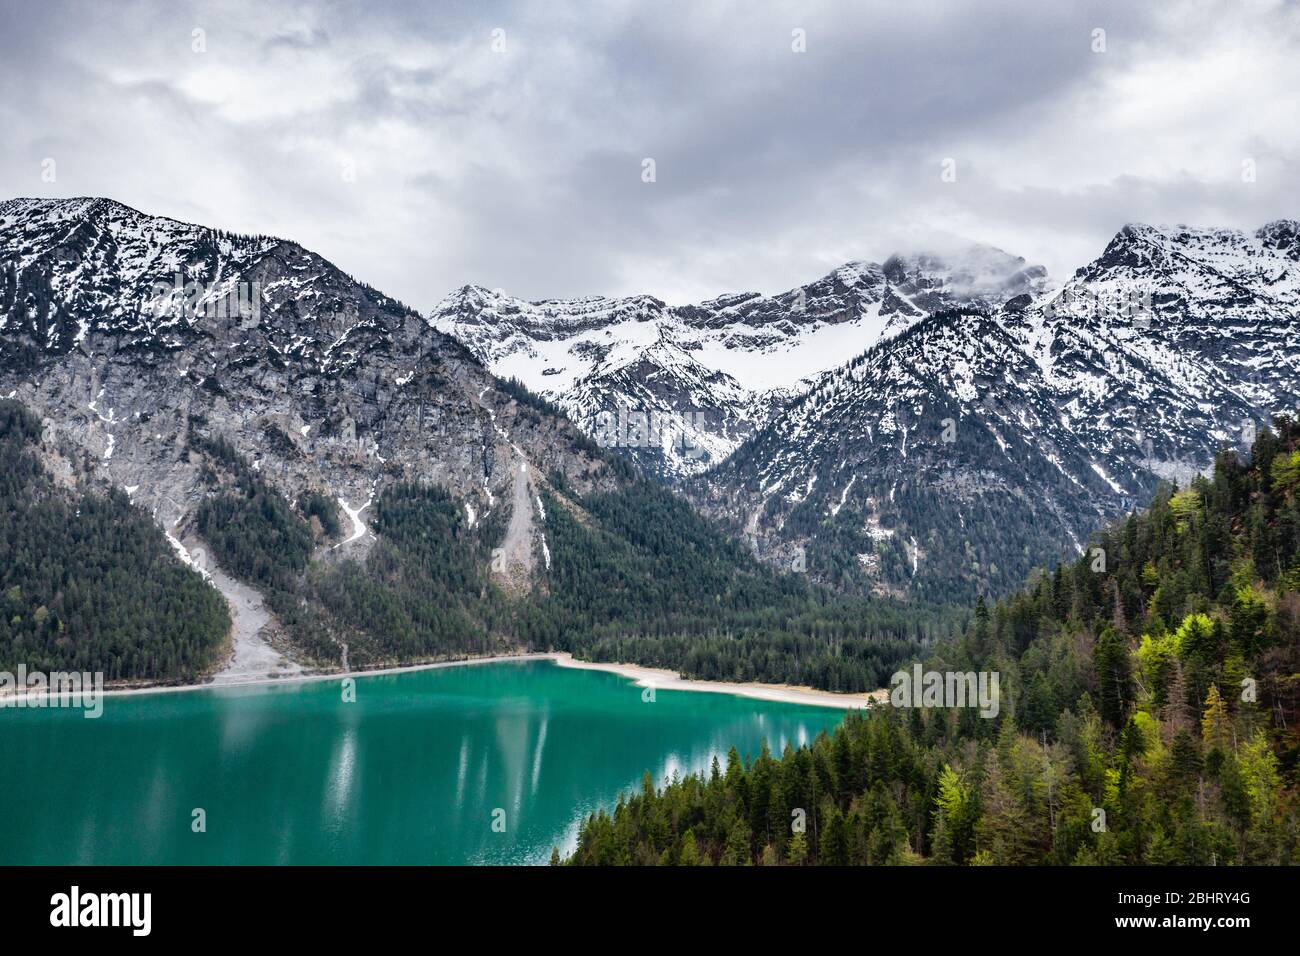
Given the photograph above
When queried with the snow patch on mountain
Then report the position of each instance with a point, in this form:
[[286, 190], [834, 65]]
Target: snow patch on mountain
[[728, 364], [1000, 438]]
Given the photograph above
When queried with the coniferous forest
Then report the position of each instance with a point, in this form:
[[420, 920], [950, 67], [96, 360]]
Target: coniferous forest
[[1150, 693], [639, 577], [88, 582], [1149, 690], [648, 580]]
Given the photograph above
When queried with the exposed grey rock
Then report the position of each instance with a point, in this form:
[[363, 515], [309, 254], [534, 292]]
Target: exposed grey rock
[[717, 371], [125, 330], [999, 439]]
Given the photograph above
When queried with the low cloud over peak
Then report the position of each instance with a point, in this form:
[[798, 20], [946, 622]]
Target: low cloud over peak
[[677, 149]]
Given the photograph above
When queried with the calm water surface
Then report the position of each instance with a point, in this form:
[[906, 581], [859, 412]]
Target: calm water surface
[[412, 772]]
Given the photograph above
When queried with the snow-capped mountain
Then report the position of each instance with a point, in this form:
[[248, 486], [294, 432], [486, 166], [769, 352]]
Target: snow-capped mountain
[[714, 372], [978, 444], [987, 424], [129, 334]]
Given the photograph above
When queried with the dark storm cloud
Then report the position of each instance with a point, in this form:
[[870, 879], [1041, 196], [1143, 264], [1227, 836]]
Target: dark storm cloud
[[422, 146]]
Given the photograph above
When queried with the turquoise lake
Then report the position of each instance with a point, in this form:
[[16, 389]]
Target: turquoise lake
[[416, 771]]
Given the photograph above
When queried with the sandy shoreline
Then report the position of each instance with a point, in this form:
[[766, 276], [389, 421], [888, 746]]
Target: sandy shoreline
[[663, 679], [657, 678]]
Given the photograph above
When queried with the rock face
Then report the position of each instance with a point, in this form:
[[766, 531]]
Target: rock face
[[985, 426], [124, 331], [980, 443], [713, 373]]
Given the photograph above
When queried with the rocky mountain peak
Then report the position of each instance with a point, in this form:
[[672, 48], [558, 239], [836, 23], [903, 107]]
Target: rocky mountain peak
[[139, 338], [732, 360], [983, 442]]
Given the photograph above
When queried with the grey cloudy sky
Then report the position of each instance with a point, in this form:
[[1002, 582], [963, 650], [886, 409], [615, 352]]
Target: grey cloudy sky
[[515, 159]]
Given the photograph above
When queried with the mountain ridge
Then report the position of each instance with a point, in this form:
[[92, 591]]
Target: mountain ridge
[[1149, 358], [1034, 415], [748, 353], [385, 497], [129, 333]]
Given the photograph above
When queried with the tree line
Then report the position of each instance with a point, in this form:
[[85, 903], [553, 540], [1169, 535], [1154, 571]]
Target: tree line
[[1149, 697], [88, 582]]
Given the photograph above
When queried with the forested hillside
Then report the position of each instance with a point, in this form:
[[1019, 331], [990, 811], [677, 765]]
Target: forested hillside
[[634, 575], [421, 592], [1149, 703], [88, 582], [642, 577], [424, 589]]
